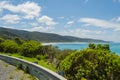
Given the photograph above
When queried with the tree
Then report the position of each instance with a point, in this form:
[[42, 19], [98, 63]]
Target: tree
[[92, 46], [52, 51], [103, 47], [1, 40], [92, 64], [99, 46], [1, 47], [31, 48], [18, 41], [9, 46], [106, 47]]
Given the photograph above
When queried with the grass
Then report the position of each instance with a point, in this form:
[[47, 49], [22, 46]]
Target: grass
[[40, 62], [45, 64]]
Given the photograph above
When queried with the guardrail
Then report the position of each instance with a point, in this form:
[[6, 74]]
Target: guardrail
[[36, 70]]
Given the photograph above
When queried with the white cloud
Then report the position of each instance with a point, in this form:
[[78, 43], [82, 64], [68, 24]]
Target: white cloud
[[70, 23], [76, 32], [116, 19], [47, 21], [8, 27], [34, 24], [2, 5], [116, 0], [41, 29], [13, 19], [98, 32], [101, 23], [28, 9], [85, 33]]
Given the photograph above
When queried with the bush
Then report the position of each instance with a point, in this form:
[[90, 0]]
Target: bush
[[19, 66], [26, 69], [30, 48], [9, 46], [42, 57], [92, 64]]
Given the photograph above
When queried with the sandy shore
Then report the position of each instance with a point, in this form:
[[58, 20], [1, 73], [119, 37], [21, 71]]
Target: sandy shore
[[53, 43]]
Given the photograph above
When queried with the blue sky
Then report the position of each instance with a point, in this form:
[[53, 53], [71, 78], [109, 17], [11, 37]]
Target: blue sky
[[98, 19]]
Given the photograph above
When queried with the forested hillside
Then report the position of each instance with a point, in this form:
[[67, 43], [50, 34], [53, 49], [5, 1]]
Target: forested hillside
[[41, 37]]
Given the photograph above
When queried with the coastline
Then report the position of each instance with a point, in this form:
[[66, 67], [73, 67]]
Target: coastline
[[53, 43], [114, 47]]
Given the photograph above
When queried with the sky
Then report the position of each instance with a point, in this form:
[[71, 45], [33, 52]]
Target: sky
[[97, 19]]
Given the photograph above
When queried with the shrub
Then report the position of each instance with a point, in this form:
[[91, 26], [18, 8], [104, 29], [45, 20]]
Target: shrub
[[42, 57], [19, 66], [26, 69], [92, 64], [9, 46], [30, 48]]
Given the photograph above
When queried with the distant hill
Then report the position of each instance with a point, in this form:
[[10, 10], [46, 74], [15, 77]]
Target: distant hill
[[41, 37]]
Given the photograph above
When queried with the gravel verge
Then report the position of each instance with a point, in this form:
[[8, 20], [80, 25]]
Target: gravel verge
[[9, 72]]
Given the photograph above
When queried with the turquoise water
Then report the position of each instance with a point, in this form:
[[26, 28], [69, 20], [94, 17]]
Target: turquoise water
[[115, 47]]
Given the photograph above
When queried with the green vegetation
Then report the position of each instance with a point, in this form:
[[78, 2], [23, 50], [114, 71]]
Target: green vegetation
[[47, 56], [93, 63], [7, 33], [9, 46], [30, 48], [42, 62], [19, 66], [96, 62], [26, 69]]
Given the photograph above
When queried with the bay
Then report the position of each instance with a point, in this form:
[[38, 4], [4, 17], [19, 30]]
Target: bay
[[114, 47]]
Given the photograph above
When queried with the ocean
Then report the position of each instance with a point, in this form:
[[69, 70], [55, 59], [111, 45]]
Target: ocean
[[114, 47]]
